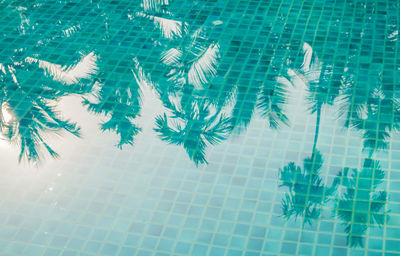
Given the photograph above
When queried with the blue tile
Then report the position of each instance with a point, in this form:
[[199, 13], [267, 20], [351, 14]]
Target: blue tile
[[199, 250], [199, 127]]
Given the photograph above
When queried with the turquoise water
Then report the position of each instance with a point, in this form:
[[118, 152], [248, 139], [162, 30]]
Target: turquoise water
[[208, 127]]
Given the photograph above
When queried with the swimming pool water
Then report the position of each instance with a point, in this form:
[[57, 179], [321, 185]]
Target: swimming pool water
[[207, 127]]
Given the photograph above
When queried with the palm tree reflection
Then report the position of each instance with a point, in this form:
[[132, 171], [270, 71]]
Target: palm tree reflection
[[375, 111], [30, 112], [193, 121], [120, 99], [31, 84], [306, 189], [360, 203], [194, 128], [307, 192], [269, 97], [205, 97], [203, 102]]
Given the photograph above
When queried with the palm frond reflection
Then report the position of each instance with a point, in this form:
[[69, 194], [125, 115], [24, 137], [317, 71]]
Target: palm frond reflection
[[361, 204]]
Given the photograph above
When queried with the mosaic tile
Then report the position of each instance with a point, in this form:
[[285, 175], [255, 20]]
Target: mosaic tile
[[174, 127]]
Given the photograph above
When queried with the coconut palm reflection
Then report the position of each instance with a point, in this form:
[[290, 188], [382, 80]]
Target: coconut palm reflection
[[116, 95], [360, 203], [307, 192], [120, 100], [205, 97], [194, 128], [267, 95], [36, 114], [195, 116], [375, 111], [317, 76], [29, 112], [369, 102], [191, 120]]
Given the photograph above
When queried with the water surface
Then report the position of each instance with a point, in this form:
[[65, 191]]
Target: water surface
[[171, 127]]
